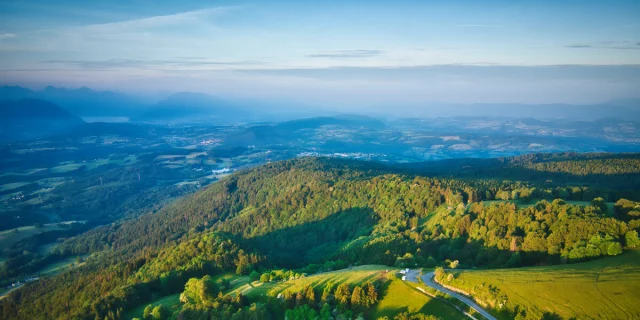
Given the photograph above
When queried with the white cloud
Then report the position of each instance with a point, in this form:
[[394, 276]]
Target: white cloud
[[156, 37], [6, 36], [203, 16]]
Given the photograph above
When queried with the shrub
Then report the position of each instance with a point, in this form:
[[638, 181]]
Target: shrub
[[614, 249]]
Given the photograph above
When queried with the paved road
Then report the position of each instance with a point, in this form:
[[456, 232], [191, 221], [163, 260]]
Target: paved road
[[428, 280]]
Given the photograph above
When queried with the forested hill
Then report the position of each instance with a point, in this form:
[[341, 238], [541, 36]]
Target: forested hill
[[310, 211], [284, 131], [611, 176]]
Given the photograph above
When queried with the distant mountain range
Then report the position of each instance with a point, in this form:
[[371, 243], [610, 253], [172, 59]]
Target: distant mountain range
[[200, 107], [190, 105], [180, 107], [82, 102], [32, 118]]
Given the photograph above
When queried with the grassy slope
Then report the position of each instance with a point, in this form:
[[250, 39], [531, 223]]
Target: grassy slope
[[601, 289], [396, 297], [403, 297], [57, 267], [356, 275], [173, 301], [9, 237]]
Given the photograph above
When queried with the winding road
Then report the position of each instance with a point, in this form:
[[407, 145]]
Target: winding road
[[427, 279]]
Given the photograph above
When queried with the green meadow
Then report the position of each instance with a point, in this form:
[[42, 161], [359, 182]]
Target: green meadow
[[606, 288], [396, 296]]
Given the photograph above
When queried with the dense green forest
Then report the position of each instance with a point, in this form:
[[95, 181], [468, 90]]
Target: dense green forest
[[301, 214], [581, 164], [610, 176]]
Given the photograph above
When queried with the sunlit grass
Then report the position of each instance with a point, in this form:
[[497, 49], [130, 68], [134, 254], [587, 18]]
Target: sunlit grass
[[396, 296], [172, 302], [602, 289], [355, 276], [400, 296]]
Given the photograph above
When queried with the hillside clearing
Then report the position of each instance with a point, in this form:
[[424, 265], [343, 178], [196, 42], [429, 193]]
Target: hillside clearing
[[396, 296]]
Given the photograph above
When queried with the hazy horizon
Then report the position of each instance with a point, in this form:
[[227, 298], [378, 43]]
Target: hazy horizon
[[357, 54]]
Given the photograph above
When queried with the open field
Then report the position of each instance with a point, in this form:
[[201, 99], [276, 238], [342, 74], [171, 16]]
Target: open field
[[196, 154], [57, 267], [235, 282], [24, 173], [172, 302], [9, 237], [47, 248], [91, 165], [356, 275], [602, 289], [49, 270], [396, 296], [169, 156], [66, 167], [11, 186], [402, 296]]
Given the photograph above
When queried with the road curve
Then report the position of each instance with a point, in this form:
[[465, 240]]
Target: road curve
[[427, 279]]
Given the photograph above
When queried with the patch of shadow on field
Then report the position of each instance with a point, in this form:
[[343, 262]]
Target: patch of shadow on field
[[383, 291], [435, 307], [552, 316], [513, 314]]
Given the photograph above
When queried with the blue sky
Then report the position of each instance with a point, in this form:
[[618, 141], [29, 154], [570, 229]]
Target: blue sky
[[360, 52]]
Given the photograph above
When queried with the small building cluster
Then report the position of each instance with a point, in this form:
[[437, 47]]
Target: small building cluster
[[404, 274]]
